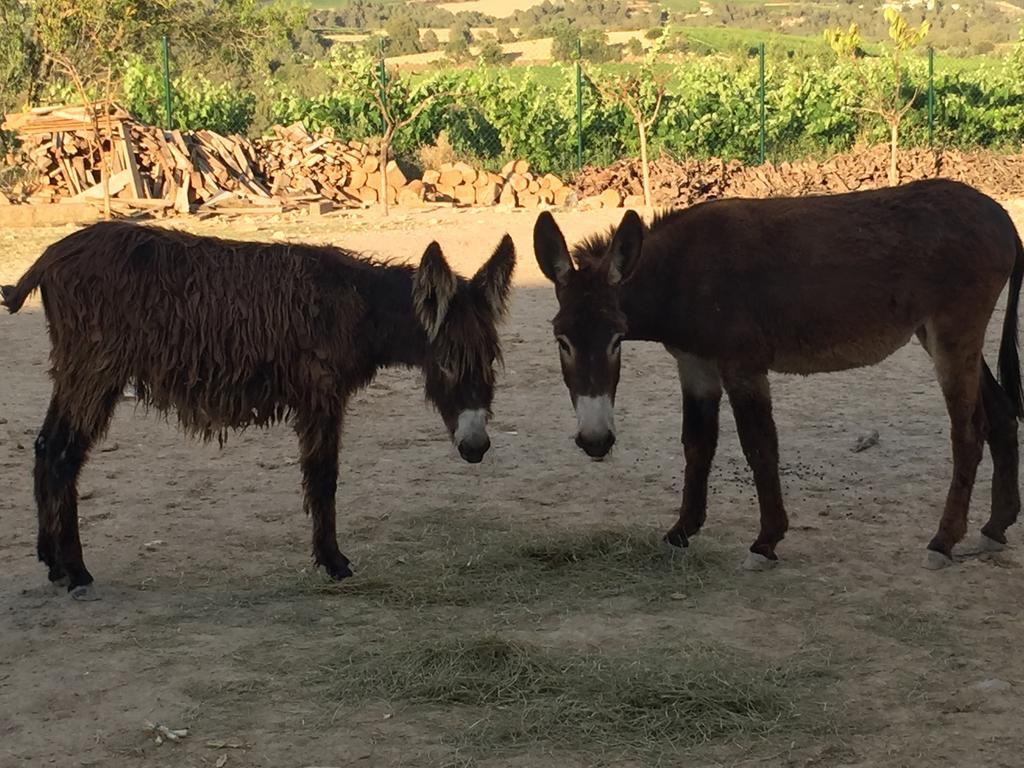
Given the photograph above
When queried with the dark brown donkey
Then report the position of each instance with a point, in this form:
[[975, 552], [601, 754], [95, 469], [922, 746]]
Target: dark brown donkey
[[236, 334], [737, 288]]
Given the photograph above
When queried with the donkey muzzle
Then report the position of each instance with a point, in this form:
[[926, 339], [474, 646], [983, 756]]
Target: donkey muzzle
[[471, 435], [596, 447], [595, 421]]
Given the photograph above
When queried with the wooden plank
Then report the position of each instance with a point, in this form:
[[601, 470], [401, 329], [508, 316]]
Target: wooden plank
[[128, 150], [74, 187], [165, 151], [179, 142], [181, 197], [220, 197], [116, 183]]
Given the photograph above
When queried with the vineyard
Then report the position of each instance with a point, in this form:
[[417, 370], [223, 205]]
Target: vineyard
[[710, 108]]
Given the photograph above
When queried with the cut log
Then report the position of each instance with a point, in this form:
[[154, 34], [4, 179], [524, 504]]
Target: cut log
[[562, 196], [518, 182], [611, 198], [450, 178], [551, 181], [465, 194], [528, 200], [488, 195], [395, 176], [508, 196]]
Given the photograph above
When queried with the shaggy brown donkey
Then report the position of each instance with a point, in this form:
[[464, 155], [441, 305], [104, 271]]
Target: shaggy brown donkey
[[236, 334], [737, 288]]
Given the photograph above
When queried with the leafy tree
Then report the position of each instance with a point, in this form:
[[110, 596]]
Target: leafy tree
[[491, 52], [430, 41], [642, 93], [403, 35], [593, 45], [886, 96], [457, 49], [565, 38], [399, 106], [504, 32], [17, 56], [460, 30]]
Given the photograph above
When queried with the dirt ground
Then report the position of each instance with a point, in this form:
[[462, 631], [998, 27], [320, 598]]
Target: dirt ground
[[213, 620]]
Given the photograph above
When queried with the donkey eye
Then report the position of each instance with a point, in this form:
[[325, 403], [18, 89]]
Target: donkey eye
[[564, 345], [616, 344]]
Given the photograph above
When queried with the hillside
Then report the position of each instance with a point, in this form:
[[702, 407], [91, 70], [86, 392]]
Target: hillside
[[526, 29]]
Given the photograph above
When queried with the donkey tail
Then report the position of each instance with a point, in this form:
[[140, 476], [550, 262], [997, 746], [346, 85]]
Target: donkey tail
[[14, 296], [1009, 358]]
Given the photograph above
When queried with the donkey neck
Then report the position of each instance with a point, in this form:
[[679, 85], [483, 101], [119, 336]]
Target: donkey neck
[[645, 299], [393, 333]]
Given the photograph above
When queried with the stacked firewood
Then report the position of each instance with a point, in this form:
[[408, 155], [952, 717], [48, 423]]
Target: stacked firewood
[[296, 162], [515, 186], [681, 183], [147, 167]]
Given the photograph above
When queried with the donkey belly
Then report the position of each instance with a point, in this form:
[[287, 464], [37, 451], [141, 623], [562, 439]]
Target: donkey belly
[[840, 354]]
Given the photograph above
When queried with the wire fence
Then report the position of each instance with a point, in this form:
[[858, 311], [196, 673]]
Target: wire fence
[[755, 109]]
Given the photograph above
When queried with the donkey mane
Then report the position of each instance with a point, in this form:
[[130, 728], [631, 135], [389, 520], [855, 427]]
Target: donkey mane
[[591, 249]]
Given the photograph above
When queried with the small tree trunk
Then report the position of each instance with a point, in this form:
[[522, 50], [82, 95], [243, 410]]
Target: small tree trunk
[[385, 146], [645, 166], [894, 145], [106, 154]]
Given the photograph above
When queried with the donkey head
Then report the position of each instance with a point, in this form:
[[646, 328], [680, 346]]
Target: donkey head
[[460, 318], [590, 324]]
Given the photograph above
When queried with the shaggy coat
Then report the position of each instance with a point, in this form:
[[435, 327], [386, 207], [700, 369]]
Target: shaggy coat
[[736, 288], [233, 334]]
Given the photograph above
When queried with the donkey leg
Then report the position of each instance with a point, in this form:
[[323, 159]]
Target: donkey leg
[[1001, 419], [318, 442], [46, 542], [958, 367], [702, 397], [751, 401], [61, 450]]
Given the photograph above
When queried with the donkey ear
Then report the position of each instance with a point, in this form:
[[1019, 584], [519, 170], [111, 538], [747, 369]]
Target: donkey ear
[[624, 252], [495, 277], [551, 251], [433, 287]]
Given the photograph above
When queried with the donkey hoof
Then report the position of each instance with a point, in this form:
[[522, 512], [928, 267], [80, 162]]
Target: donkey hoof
[[988, 544], [936, 561], [676, 539], [757, 562], [339, 572], [85, 593]]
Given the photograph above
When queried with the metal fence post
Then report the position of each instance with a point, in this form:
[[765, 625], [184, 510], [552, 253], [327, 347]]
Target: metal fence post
[[167, 85], [931, 95], [579, 105], [760, 57]]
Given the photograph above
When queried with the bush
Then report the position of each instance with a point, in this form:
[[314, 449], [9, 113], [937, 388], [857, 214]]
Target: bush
[[491, 52], [197, 102], [429, 42], [403, 35], [457, 49]]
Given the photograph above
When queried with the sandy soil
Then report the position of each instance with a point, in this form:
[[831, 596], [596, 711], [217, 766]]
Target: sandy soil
[[211, 618]]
